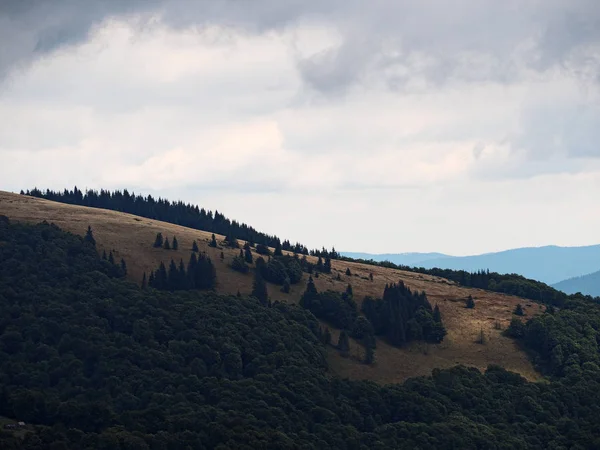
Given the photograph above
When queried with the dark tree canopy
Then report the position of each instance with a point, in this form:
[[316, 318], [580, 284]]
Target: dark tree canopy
[[89, 236], [91, 361]]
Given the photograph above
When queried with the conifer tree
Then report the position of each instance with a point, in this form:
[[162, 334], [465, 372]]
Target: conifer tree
[[310, 294], [195, 247], [175, 243], [259, 288], [437, 315], [349, 293], [519, 310], [320, 264], [348, 273], [327, 265], [167, 245], [144, 281], [213, 241], [158, 242], [248, 255], [191, 268], [286, 286], [173, 277], [111, 258], [104, 255], [278, 251], [123, 267], [222, 256], [241, 253], [182, 279], [239, 294], [371, 276], [470, 302], [89, 237], [151, 280], [343, 343], [231, 240], [161, 277]]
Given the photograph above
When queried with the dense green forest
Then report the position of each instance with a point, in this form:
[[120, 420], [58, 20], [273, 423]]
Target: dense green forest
[[93, 361]]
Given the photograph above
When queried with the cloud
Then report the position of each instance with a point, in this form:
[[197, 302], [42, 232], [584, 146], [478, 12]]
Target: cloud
[[416, 125]]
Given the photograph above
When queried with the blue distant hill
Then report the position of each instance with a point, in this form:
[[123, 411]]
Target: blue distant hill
[[586, 284], [550, 264]]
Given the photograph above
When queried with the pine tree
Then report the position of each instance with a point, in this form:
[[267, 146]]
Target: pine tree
[[231, 240], [173, 277], [437, 315], [327, 265], [239, 294], [182, 278], [222, 256], [343, 343], [259, 288], [166, 245], [151, 280], [213, 241], [104, 255], [111, 258], [286, 286], [470, 302], [519, 310], [123, 267], [89, 237], [161, 277], [371, 276], [158, 242], [310, 294], [278, 251], [248, 255], [348, 273], [349, 293], [175, 243], [144, 281], [195, 247], [191, 268], [320, 264], [369, 342]]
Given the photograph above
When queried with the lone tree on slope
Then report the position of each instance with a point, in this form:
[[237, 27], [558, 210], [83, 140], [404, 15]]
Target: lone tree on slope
[[89, 237]]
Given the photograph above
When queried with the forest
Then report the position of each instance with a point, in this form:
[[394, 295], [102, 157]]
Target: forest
[[90, 360]]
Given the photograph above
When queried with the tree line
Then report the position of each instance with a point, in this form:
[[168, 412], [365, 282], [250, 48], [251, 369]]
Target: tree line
[[179, 213]]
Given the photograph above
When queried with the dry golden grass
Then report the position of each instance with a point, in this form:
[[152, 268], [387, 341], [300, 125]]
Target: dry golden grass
[[131, 238]]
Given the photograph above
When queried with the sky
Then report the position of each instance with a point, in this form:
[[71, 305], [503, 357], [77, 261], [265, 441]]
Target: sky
[[462, 127]]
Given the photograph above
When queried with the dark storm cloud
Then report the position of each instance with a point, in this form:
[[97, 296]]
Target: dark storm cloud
[[470, 40]]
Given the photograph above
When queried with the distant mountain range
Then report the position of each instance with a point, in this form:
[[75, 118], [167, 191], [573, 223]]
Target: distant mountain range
[[586, 284], [549, 264]]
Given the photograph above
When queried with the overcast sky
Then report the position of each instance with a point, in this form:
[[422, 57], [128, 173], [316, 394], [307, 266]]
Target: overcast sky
[[460, 126]]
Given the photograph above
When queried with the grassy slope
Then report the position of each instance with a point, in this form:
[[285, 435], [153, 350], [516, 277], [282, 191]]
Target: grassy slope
[[131, 238]]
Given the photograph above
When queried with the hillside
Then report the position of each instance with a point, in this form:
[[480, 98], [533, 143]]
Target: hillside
[[549, 264], [90, 360], [586, 284], [131, 237]]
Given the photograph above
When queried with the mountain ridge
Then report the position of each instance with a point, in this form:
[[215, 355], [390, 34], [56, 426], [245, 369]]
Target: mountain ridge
[[550, 264]]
